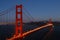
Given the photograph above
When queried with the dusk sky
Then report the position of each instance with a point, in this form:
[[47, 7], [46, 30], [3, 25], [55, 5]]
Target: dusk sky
[[39, 9]]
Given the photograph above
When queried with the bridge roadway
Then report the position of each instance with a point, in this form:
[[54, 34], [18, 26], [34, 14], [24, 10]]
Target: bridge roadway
[[31, 31]]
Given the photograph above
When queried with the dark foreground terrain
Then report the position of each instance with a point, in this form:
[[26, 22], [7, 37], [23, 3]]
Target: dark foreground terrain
[[6, 31]]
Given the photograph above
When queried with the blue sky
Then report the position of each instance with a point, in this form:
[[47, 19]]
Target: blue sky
[[39, 9]]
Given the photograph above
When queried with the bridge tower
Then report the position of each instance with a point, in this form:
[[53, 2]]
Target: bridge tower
[[19, 23], [50, 22]]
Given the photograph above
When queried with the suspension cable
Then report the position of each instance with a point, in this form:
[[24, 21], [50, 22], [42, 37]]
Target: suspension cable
[[6, 11], [28, 13]]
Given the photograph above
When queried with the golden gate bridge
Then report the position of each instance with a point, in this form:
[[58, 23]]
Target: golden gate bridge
[[19, 34]]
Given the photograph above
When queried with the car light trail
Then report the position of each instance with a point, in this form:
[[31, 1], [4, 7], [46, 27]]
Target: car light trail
[[31, 31]]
